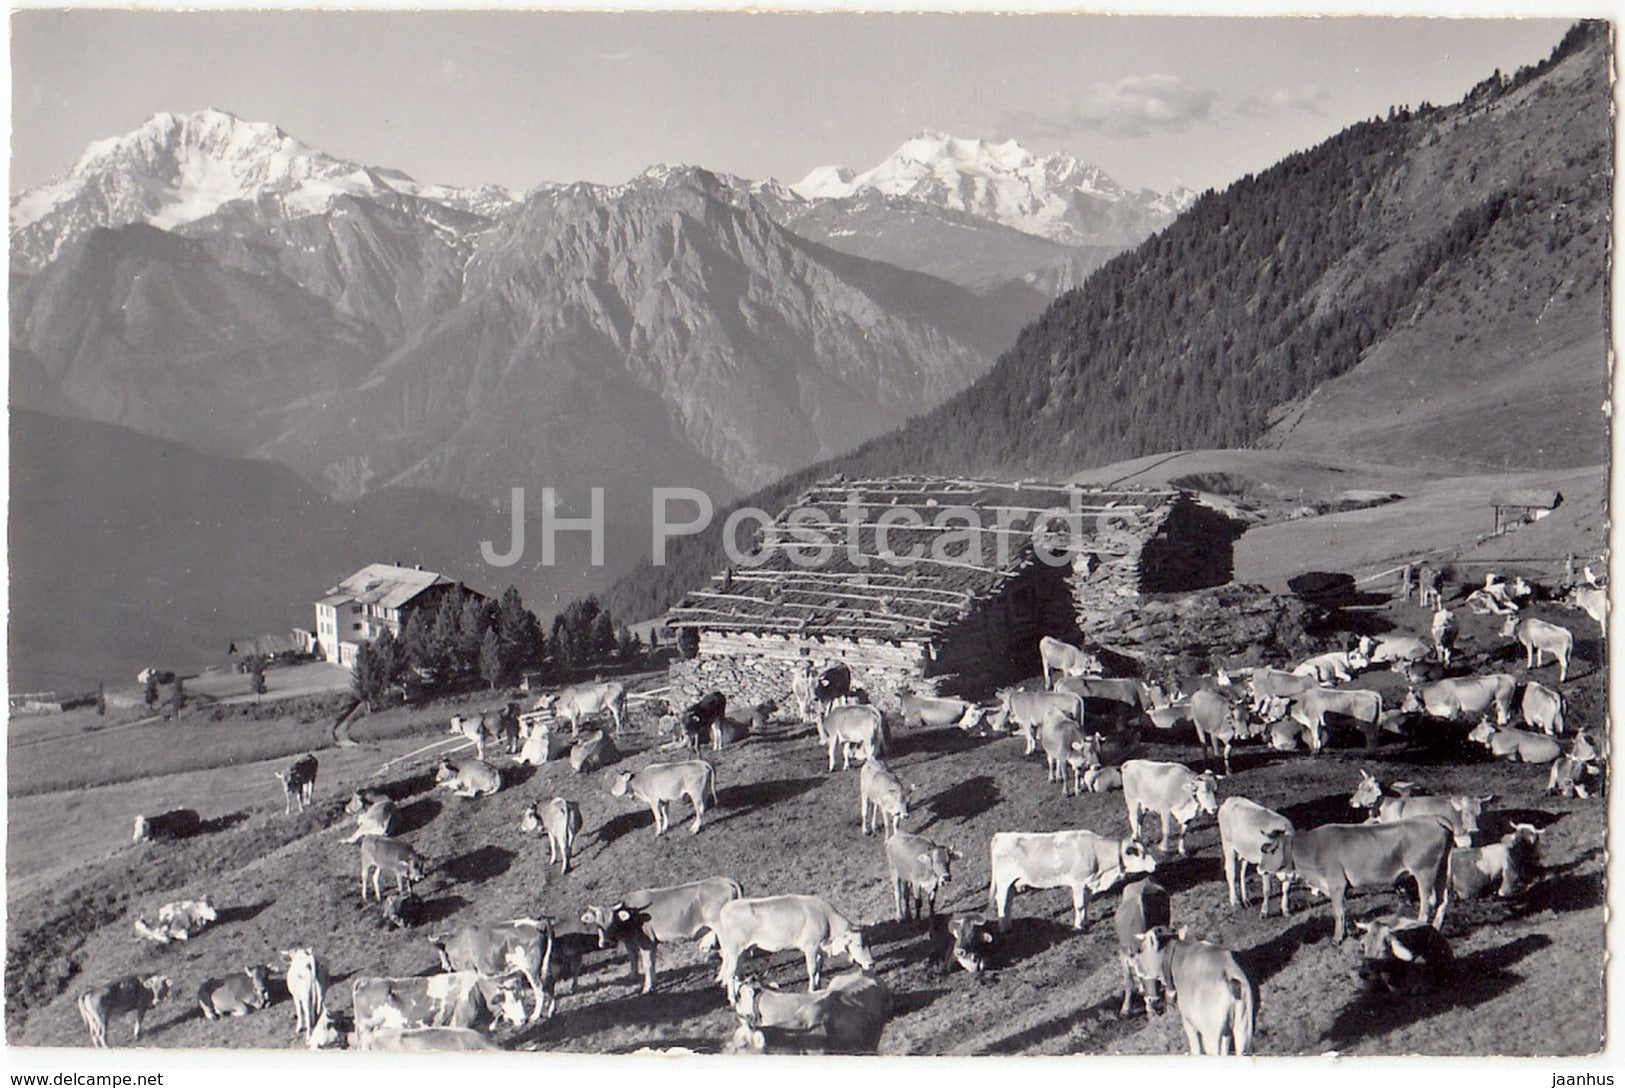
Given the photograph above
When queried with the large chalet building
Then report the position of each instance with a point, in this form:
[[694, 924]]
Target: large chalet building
[[377, 598]]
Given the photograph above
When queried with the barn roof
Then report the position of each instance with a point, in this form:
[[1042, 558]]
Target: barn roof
[[934, 567]]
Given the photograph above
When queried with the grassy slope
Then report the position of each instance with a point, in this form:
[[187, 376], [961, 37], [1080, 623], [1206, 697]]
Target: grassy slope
[[784, 825]]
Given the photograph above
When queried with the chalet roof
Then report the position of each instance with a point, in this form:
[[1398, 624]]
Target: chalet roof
[[385, 584], [333, 600], [1532, 497], [935, 565]]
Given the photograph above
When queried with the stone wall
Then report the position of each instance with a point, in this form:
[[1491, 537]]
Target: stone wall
[[750, 669]]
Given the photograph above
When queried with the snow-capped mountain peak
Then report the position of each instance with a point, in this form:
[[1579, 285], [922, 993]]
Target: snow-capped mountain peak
[[1055, 196], [175, 169]]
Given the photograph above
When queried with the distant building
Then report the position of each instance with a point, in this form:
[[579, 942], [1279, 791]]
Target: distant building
[[377, 598]]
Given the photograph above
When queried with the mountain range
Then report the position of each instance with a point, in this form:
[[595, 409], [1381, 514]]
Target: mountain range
[[215, 282], [1428, 289]]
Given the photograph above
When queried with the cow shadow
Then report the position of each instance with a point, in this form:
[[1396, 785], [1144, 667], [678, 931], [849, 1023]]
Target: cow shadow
[[1264, 960], [668, 1004], [744, 796], [1561, 894], [1498, 822], [440, 908], [625, 823], [479, 865], [963, 801], [933, 742], [410, 786], [1332, 808], [1177, 874], [1475, 979], [1099, 1014], [1026, 937], [517, 774], [221, 823], [245, 913], [418, 814]]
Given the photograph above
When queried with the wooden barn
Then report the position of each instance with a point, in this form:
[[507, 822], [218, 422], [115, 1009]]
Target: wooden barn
[[935, 584]]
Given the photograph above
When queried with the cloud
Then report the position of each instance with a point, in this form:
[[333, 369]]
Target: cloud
[[1308, 98], [1133, 107]]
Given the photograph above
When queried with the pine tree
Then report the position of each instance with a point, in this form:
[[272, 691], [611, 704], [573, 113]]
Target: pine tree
[[601, 637], [256, 674], [492, 667], [177, 698], [101, 699], [471, 627], [443, 635], [152, 689], [417, 639]]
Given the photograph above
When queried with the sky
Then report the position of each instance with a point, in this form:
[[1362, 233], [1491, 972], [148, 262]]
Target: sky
[[521, 98]]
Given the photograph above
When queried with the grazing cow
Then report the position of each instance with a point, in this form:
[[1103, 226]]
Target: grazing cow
[[1403, 957], [371, 817], [1571, 773], [1542, 708], [833, 685], [1098, 779], [452, 1000], [381, 857], [851, 727], [699, 720], [1444, 633], [648, 916], [1516, 745], [307, 988], [1065, 746], [777, 923], [1593, 601], [1028, 710], [1218, 1002], [850, 1014], [1460, 812], [581, 701], [129, 996], [1540, 638], [882, 792], [1394, 650], [1219, 724], [1145, 905], [234, 995], [660, 784], [1430, 585], [177, 823], [1065, 659], [1463, 698], [1364, 708], [521, 946], [1082, 861], [1334, 668], [1267, 684], [560, 820], [969, 940], [475, 728], [924, 710], [177, 921], [803, 685], [468, 777], [1333, 858], [1243, 829], [593, 751], [1509, 865], [298, 783], [1172, 790], [428, 1040], [919, 869]]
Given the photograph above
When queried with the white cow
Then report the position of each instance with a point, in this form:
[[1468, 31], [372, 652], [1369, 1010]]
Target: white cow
[[660, 784], [584, 700], [1243, 829], [1540, 638], [307, 987], [1066, 659], [781, 922], [1081, 861], [1172, 790]]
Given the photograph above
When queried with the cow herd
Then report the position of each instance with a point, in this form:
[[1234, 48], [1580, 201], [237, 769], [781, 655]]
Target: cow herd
[[1090, 729]]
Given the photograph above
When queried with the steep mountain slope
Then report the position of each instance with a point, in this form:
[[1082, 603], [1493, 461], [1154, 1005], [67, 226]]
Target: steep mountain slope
[[1410, 246], [1052, 196], [127, 550]]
